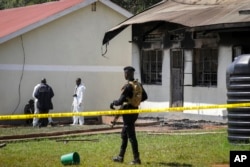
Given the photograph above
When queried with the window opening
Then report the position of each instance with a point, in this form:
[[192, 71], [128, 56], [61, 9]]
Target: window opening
[[205, 67], [152, 67]]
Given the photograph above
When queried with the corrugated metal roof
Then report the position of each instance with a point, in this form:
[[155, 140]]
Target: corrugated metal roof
[[16, 21], [191, 13]]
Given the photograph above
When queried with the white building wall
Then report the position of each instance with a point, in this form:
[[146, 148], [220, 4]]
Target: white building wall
[[61, 51], [159, 96], [156, 93], [200, 96]]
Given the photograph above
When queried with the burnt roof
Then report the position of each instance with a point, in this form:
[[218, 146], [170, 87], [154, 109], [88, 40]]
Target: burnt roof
[[195, 14]]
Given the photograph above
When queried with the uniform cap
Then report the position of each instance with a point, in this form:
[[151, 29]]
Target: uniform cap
[[43, 80], [129, 68]]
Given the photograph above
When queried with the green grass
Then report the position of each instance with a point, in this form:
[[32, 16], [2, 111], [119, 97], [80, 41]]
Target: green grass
[[196, 150]]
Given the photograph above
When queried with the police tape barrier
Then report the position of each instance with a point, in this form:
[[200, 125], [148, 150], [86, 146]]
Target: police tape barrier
[[119, 112]]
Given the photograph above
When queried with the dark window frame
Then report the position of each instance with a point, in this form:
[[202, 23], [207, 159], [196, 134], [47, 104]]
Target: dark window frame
[[151, 66], [205, 67]]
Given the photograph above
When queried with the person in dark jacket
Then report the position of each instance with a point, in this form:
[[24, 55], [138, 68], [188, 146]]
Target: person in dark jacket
[[126, 102], [29, 109], [44, 94]]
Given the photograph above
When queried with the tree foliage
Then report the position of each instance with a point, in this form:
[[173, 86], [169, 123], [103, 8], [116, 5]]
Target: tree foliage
[[5, 4], [135, 6]]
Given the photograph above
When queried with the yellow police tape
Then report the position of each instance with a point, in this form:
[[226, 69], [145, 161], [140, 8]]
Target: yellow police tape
[[119, 112]]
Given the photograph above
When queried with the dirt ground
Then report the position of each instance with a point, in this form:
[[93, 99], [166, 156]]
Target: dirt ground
[[65, 129]]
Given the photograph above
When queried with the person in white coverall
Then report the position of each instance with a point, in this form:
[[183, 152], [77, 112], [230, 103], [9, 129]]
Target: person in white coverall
[[36, 111], [78, 102]]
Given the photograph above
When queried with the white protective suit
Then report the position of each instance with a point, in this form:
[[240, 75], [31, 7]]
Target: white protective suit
[[78, 104], [36, 111]]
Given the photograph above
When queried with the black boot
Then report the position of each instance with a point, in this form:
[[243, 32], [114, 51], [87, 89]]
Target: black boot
[[136, 161], [118, 159]]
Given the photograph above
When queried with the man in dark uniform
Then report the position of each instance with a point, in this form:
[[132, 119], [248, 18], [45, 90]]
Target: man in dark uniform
[[44, 94], [128, 130]]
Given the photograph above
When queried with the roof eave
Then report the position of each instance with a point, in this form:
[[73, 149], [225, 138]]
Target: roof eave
[[116, 8], [221, 26]]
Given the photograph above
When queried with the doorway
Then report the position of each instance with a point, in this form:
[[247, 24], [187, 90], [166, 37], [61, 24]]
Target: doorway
[[177, 77]]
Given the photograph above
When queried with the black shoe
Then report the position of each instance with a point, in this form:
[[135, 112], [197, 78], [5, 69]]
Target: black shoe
[[2, 145], [118, 159], [137, 161]]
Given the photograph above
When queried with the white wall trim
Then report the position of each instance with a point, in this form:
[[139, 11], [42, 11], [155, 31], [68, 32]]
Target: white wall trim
[[60, 68]]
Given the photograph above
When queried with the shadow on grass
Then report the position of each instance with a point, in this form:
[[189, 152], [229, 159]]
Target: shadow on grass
[[170, 164]]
